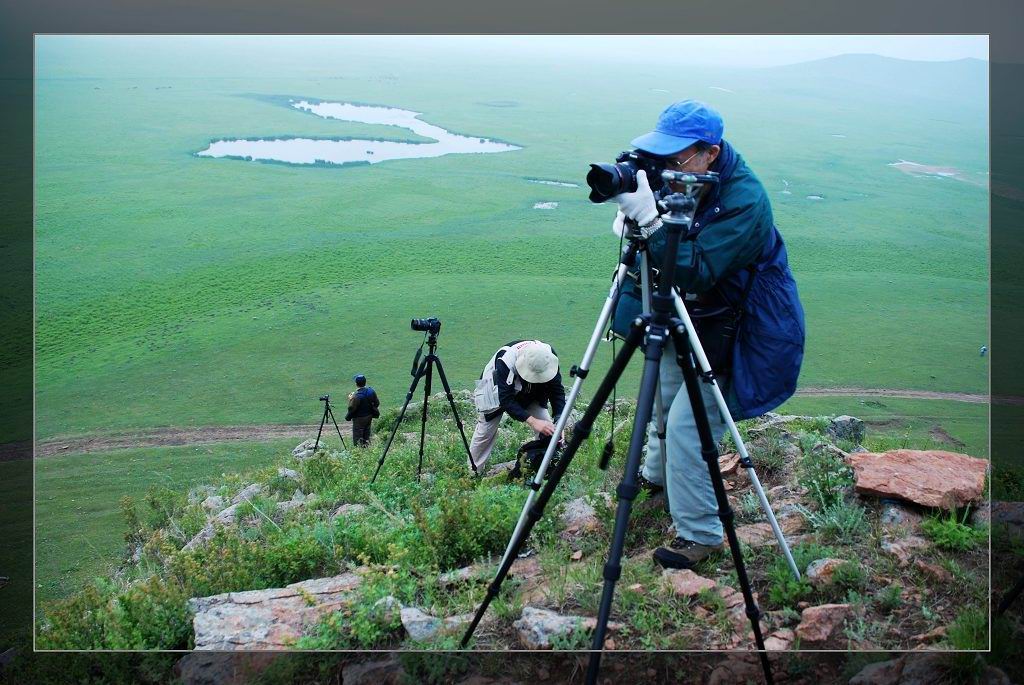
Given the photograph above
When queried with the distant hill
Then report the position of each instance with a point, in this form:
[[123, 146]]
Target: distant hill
[[964, 80]]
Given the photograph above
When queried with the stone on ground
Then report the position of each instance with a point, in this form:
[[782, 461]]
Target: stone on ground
[[846, 428], [348, 510], [930, 478], [422, 626], [905, 549], [578, 517], [821, 623], [247, 493], [304, 449], [820, 572], [538, 628], [268, 619], [686, 583], [897, 518]]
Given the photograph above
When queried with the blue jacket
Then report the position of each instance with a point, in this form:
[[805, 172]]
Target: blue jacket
[[735, 230]]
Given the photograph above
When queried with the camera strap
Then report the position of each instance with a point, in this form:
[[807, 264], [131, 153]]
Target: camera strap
[[416, 359]]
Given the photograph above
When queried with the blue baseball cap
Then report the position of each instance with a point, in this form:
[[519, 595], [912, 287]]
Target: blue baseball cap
[[680, 126], [359, 378]]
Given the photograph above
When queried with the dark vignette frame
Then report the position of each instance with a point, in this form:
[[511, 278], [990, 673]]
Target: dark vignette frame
[[1002, 20]]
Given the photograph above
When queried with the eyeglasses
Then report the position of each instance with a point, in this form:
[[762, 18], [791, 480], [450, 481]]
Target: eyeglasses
[[679, 165]]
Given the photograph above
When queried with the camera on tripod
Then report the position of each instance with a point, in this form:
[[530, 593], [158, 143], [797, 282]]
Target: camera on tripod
[[608, 180], [325, 398], [431, 325]]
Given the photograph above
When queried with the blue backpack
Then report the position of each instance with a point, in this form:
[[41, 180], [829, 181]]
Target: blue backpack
[[769, 347]]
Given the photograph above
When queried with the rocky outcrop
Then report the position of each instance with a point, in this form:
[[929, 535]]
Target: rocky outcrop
[[846, 428], [930, 478], [304, 450], [268, 619], [540, 628]]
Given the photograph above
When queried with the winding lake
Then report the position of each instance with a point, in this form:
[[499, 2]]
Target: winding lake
[[326, 151]]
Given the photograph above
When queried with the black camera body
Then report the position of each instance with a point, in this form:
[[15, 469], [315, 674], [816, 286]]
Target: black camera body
[[431, 325], [325, 398], [608, 180]]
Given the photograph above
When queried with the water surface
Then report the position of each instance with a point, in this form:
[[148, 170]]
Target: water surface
[[330, 151]]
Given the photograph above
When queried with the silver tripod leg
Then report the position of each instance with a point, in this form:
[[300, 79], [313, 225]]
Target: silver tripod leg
[[570, 401], [723, 409], [659, 405]]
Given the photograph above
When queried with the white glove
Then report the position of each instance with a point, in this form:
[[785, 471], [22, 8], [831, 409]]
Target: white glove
[[639, 205], [619, 226]]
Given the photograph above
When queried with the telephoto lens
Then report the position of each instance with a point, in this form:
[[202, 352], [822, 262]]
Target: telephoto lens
[[608, 180], [431, 325]]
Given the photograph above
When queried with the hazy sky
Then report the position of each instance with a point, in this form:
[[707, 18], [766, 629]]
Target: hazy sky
[[723, 50]]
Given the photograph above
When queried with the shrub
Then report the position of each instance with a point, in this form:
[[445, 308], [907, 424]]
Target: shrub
[[838, 521], [890, 598], [463, 527], [952, 534], [850, 576], [783, 589], [825, 475], [150, 615]]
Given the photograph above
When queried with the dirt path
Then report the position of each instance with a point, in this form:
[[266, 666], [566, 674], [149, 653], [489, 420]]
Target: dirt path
[[901, 394], [199, 435]]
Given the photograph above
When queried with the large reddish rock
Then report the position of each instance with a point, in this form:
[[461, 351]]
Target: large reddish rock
[[931, 478]]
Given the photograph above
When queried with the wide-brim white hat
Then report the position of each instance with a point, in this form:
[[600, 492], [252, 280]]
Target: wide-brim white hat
[[536, 363]]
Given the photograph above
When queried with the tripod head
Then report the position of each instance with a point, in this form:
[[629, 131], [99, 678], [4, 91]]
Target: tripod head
[[325, 398], [681, 205]]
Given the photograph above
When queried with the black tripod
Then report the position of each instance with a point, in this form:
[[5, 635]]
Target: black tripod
[[326, 399], [419, 370], [653, 331]]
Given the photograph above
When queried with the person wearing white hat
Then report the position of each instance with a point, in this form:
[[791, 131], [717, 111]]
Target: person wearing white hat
[[520, 379]]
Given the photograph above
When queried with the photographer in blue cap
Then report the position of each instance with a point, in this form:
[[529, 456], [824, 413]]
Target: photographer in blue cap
[[734, 275], [363, 408]]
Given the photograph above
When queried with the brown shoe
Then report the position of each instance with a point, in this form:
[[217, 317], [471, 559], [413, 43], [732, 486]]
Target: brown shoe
[[683, 553]]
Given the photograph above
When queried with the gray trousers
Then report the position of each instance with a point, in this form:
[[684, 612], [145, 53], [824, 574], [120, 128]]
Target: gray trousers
[[486, 433], [691, 498]]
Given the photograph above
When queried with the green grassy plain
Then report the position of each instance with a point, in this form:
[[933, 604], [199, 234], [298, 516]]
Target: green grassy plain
[[176, 290]]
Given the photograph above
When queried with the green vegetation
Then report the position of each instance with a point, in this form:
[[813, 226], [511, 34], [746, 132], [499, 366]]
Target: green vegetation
[[949, 532]]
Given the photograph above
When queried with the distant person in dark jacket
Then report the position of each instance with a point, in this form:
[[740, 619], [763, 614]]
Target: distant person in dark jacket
[[520, 380], [736, 241], [363, 408]]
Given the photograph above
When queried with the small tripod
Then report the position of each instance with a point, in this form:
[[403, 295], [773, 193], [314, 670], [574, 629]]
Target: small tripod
[[326, 399], [419, 370]]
